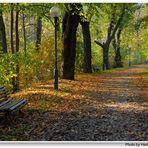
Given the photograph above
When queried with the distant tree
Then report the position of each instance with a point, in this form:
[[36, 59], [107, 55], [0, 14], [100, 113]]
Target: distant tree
[[24, 33], [116, 42], [112, 28], [12, 40], [116, 45], [38, 33], [17, 46]]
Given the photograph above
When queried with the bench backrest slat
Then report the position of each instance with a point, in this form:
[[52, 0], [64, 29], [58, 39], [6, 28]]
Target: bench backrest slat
[[3, 92]]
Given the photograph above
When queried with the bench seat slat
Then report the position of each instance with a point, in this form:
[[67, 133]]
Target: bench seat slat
[[5, 102], [18, 105], [9, 105]]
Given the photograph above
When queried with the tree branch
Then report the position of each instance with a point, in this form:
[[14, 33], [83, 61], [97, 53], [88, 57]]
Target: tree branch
[[97, 42], [110, 28], [118, 23]]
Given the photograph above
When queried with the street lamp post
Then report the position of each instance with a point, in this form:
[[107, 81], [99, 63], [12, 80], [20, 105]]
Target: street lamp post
[[55, 12], [129, 61]]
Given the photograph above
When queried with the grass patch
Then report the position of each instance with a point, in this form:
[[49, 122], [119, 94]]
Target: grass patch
[[111, 70]]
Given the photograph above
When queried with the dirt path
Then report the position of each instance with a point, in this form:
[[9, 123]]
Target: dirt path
[[124, 111], [112, 106], [123, 105]]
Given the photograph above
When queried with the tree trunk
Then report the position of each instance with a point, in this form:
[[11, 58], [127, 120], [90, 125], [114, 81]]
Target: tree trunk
[[12, 45], [106, 64], [70, 24], [116, 46], [24, 34], [118, 62], [87, 47], [17, 48], [16, 29], [3, 33], [118, 54], [38, 33], [111, 33]]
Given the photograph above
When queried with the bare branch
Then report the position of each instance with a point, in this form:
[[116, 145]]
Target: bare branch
[[97, 42]]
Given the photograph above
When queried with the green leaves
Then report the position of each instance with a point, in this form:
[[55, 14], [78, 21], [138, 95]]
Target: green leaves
[[6, 69]]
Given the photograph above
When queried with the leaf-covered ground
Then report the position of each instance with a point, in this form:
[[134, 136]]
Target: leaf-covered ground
[[108, 106]]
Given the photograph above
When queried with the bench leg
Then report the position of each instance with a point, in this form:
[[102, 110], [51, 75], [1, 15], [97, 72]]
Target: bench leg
[[7, 116], [21, 112]]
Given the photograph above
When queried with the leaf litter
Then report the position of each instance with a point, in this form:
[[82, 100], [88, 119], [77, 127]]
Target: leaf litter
[[112, 106]]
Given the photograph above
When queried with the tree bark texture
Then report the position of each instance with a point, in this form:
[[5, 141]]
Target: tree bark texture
[[17, 48], [12, 44], [87, 47], [11, 28], [38, 33], [24, 34], [70, 24], [106, 64], [3, 33], [116, 46]]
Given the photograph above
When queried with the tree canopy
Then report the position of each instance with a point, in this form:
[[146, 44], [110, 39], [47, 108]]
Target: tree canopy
[[120, 30]]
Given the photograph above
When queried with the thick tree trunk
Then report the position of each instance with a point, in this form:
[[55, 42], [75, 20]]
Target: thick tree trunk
[[87, 47], [38, 33], [3, 33], [70, 24]]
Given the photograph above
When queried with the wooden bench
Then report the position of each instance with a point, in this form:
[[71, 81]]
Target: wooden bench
[[7, 104]]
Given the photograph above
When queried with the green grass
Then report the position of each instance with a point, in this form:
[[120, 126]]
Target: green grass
[[111, 70]]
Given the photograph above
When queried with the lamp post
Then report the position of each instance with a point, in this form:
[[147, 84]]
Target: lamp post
[[55, 13], [129, 60]]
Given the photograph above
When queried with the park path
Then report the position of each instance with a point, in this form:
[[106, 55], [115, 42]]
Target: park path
[[110, 106], [118, 111]]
